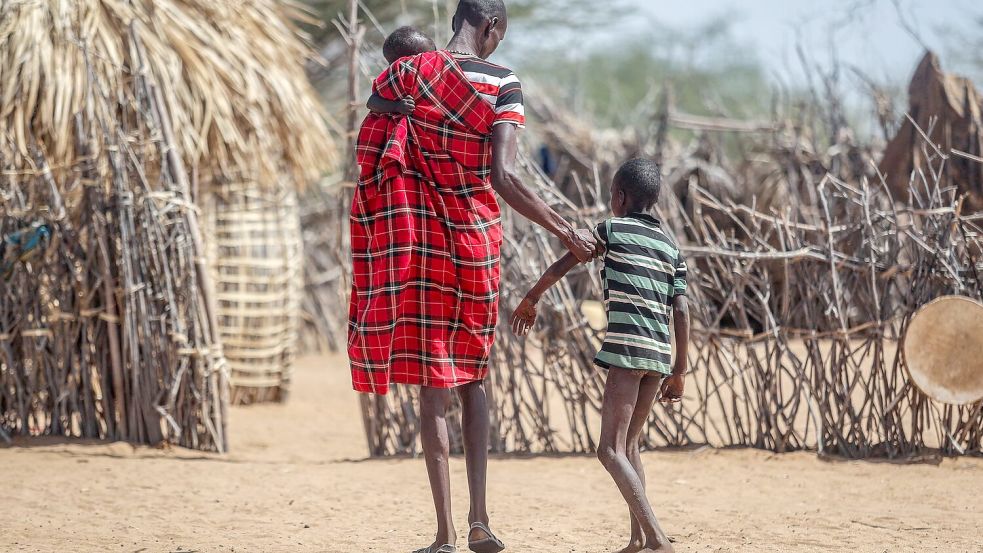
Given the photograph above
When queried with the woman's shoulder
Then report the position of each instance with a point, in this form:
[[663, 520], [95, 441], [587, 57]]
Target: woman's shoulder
[[472, 64]]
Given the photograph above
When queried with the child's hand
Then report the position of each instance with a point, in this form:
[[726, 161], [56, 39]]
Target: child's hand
[[406, 106], [523, 317], [672, 388]]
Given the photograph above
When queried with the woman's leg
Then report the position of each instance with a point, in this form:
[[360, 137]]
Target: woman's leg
[[648, 392], [620, 398], [475, 425], [436, 451]]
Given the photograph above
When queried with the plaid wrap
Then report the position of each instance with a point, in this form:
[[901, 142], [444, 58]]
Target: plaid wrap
[[425, 234]]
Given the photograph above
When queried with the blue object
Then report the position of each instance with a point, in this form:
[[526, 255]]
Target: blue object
[[547, 161], [21, 246]]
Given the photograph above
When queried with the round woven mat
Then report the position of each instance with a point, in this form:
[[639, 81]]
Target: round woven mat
[[943, 350]]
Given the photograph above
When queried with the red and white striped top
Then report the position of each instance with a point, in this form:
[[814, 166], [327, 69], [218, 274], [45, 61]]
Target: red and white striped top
[[498, 86]]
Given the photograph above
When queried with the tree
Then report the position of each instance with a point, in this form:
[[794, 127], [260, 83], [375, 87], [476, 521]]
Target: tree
[[525, 14]]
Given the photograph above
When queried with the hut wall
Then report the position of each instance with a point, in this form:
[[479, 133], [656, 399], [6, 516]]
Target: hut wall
[[106, 332], [256, 256], [797, 327], [115, 118]]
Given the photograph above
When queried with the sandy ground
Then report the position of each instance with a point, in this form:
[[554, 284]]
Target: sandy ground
[[297, 481]]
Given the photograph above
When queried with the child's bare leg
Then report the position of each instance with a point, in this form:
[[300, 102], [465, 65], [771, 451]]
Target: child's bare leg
[[436, 451], [648, 392], [621, 396]]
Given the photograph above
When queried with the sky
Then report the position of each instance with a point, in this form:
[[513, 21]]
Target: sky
[[867, 34]]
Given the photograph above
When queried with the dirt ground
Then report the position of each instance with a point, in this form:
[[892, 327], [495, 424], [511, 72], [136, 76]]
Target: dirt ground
[[297, 480]]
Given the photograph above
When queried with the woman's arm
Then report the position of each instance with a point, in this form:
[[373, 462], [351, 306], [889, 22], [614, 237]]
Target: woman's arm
[[524, 316], [505, 147], [378, 104]]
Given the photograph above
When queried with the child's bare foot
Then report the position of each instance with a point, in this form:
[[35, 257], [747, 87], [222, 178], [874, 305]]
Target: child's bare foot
[[663, 548], [634, 547]]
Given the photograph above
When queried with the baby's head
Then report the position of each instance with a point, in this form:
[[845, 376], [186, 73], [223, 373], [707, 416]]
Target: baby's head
[[406, 41], [636, 187]]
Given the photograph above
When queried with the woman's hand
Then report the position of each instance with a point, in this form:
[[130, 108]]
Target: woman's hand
[[583, 245], [523, 317], [672, 388]]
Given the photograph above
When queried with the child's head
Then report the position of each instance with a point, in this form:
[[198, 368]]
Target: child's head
[[406, 41], [636, 186]]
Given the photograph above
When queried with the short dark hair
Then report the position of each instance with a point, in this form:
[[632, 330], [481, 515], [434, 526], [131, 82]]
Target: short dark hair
[[641, 181], [477, 12], [406, 41]]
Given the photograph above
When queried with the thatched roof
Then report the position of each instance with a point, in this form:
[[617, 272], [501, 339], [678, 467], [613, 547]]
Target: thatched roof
[[230, 73]]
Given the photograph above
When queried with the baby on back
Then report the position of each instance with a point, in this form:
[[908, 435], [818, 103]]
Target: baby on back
[[403, 42]]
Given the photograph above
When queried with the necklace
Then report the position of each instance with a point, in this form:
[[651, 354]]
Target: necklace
[[462, 53]]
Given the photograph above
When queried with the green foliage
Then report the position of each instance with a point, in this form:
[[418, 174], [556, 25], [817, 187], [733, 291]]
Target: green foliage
[[543, 15], [707, 70]]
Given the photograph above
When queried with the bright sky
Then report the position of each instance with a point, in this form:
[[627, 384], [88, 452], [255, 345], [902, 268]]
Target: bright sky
[[868, 34]]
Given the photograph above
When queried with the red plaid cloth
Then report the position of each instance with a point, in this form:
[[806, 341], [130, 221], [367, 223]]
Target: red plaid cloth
[[426, 234]]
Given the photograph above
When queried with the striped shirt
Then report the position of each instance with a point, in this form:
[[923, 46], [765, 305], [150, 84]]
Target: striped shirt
[[643, 271], [498, 86]]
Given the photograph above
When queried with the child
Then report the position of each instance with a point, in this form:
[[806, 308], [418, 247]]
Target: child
[[644, 278], [403, 42]]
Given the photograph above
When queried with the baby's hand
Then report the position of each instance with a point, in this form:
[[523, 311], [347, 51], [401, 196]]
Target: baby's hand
[[523, 317], [406, 106], [672, 388]]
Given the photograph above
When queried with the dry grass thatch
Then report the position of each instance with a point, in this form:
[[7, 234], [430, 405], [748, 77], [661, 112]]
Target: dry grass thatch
[[231, 74]]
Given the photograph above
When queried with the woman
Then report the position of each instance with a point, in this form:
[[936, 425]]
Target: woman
[[426, 236]]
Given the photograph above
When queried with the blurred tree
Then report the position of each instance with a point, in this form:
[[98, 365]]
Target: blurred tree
[[544, 14], [708, 70]]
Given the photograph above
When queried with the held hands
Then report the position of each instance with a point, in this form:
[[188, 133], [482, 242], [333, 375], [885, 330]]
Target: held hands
[[672, 388], [406, 106], [523, 317], [584, 245]]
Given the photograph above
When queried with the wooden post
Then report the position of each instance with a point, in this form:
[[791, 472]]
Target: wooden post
[[353, 37], [175, 165]]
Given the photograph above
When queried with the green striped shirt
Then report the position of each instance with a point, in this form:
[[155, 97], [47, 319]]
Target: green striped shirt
[[643, 271]]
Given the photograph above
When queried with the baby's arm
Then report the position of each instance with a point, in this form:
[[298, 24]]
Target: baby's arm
[[672, 386], [524, 316], [378, 104]]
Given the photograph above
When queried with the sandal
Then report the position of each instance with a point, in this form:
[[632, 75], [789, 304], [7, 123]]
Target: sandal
[[491, 544], [447, 548]]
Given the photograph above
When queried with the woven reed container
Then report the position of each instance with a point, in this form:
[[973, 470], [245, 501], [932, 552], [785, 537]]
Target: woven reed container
[[255, 252]]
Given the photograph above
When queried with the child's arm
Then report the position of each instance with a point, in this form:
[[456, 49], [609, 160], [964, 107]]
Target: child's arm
[[672, 386], [378, 104], [524, 316]]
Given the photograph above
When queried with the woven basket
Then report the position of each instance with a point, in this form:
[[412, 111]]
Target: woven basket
[[255, 250]]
